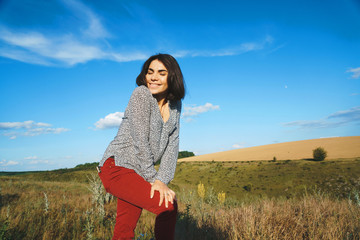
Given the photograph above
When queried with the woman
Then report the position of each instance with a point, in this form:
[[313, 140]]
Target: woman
[[149, 132]]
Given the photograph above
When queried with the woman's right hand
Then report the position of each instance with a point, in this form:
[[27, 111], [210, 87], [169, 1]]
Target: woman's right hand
[[166, 194]]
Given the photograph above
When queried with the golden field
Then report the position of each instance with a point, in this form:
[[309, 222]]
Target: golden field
[[336, 147]]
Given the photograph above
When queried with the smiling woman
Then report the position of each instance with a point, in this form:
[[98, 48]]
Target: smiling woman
[[148, 133]]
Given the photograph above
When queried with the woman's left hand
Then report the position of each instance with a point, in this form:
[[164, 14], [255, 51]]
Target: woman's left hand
[[165, 193]]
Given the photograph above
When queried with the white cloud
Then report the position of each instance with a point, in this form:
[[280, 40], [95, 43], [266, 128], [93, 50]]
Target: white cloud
[[193, 110], [39, 161], [28, 128], [350, 115], [70, 48], [8, 163], [112, 120], [342, 117], [238, 145], [311, 124], [196, 110], [355, 72], [95, 29], [89, 42], [34, 47], [25, 124], [31, 158], [39, 131], [242, 48]]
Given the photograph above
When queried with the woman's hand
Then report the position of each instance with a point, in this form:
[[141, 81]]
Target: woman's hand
[[165, 193]]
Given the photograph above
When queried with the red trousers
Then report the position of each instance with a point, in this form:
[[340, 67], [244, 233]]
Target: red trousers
[[133, 194]]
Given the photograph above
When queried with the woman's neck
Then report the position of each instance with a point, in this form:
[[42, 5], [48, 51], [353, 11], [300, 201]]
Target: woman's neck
[[161, 99]]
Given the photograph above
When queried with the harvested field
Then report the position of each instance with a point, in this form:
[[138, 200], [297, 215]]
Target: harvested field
[[336, 147]]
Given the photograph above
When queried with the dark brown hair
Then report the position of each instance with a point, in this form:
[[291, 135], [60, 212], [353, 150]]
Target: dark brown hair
[[176, 85]]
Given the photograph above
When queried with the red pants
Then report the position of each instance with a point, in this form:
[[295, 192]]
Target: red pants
[[133, 194]]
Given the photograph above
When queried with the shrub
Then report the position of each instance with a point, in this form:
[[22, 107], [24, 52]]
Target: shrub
[[184, 154], [319, 154]]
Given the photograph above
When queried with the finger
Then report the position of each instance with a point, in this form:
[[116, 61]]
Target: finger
[[161, 198], [173, 196], [166, 203], [172, 199], [152, 192]]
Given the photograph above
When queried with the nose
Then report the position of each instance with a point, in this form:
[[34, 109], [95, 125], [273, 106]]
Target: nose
[[154, 77]]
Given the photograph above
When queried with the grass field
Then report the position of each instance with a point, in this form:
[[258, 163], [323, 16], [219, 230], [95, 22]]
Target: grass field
[[286, 178], [299, 199]]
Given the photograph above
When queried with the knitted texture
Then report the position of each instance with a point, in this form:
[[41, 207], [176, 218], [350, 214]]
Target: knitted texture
[[143, 138]]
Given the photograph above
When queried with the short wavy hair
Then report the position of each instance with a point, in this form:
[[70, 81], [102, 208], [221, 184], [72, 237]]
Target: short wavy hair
[[176, 84]]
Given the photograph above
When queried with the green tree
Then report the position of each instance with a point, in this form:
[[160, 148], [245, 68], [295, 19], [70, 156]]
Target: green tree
[[319, 154], [184, 154]]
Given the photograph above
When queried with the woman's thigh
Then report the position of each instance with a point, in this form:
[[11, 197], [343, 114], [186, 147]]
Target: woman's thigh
[[127, 185]]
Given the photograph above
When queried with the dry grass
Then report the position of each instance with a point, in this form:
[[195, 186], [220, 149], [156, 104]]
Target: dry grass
[[70, 212], [311, 217], [337, 147], [314, 216]]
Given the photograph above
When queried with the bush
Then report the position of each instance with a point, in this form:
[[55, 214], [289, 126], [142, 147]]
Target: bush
[[184, 154], [319, 154]]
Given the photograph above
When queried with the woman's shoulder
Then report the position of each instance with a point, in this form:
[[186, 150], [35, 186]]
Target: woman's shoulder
[[142, 90], [141, 93]]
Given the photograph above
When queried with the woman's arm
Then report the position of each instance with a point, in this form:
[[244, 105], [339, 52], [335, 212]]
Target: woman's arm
[[169, 159], [139, 119]]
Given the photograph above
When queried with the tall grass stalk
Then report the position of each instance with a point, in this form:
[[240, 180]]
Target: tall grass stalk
[[46, 203]]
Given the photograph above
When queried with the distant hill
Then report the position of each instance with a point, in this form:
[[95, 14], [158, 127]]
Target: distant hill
[[337, 147]]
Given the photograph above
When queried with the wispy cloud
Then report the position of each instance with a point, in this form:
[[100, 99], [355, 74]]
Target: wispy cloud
[[112, 120], [237, 50], [342, 117], [238, 145], [94, 27], [59, 48], [350, 115], [31, 158], [28, 128], [355, 72], [39, 162], [25, 124], [193, 110], [5, 163], [37, 48], [312, 124], [91, 41]]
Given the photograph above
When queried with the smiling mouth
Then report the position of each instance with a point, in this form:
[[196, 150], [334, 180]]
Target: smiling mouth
[[154, 84]]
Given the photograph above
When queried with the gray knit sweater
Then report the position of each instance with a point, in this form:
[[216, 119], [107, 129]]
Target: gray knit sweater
[[143, 138]]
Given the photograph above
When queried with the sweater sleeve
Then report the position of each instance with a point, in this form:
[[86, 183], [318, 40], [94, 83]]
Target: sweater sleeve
[[169, 159], [139, 120]]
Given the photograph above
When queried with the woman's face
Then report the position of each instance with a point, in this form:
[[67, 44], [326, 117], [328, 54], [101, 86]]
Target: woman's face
[[156, 78]]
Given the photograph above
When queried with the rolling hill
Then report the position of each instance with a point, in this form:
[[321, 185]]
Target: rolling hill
[[336, 147]]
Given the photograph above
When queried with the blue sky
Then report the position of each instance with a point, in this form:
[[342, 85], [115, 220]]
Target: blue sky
[[257, 72]]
